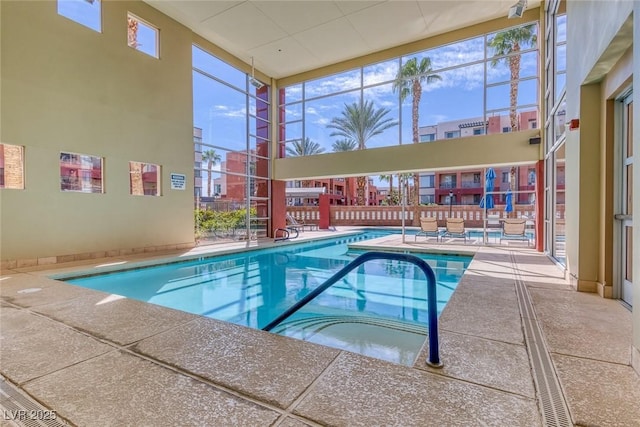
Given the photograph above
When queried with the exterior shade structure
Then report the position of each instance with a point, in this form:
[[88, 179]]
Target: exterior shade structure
[[487, 200], [508, 202]]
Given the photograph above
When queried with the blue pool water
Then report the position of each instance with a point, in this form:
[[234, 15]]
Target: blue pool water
[[252, 288]]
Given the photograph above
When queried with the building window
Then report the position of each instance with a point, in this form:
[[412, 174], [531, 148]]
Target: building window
[[452, 134], [532, 177], [142, 36], [505, 176], [81, 173], [506, 129], [427, 199], [478, 131], [427, 181], [144, 179], [84, 12], [533, 124], [11, 166], [429, 137]]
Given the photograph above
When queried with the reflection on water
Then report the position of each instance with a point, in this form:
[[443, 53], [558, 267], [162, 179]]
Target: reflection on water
[[252, 288]]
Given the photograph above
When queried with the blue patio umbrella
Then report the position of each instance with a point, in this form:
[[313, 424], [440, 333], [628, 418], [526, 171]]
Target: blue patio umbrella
[[508, 202], [489, 175]]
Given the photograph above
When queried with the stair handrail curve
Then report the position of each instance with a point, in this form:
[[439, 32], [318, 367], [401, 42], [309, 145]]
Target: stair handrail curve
[[432, 303]]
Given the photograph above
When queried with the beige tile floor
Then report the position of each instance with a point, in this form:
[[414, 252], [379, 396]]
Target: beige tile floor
[[103, 361]]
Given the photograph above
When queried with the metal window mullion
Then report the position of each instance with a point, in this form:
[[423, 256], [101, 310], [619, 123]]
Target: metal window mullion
[[247, 169]]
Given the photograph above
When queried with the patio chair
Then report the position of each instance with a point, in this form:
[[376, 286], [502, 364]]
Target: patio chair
[[514, 229], [428, 227], [455, 228], [493, 221], [298, 225]]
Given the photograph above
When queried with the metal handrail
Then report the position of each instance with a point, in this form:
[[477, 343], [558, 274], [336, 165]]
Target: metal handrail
[[286, 234], [434, 353]]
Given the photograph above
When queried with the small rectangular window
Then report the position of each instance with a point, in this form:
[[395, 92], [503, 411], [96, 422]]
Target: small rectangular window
[[144, 179], [81, 173], [11, 166], [506, 129], [452, 134], [478, 131], [84, 12], [142, 36]]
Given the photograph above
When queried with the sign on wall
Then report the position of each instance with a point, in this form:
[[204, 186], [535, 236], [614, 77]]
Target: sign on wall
[[178, 181]]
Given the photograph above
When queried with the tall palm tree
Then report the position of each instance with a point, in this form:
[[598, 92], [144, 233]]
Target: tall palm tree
[[360, 122], [304, 147], [212, 158], [403, 181], [506, 45], [389, 179], [409, 81], [345, 145]]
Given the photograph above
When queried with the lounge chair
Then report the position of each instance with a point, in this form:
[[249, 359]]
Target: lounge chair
[[493, 221], [455, 228], [298, 225], [514, 229], [428, 227]]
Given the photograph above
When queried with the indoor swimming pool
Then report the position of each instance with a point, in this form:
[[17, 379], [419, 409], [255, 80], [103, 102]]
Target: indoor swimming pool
[[379, 309]]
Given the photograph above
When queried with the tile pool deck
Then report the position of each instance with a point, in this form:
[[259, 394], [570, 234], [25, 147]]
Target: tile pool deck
[[99, 360]]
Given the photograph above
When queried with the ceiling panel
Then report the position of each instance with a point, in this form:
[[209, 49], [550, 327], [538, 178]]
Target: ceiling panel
[[333, 35], [388, 24], [287, 53], [348, 7], [244, 27], [296, 16], [289, 37]]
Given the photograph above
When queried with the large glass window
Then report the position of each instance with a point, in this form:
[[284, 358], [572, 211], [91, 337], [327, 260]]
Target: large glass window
[[470, 87], [555, 130], [232, 158]]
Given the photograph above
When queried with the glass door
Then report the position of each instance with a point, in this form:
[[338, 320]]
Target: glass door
[[624, 218]]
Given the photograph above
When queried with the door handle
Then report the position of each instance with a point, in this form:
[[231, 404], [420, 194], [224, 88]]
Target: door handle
[[622, 217]]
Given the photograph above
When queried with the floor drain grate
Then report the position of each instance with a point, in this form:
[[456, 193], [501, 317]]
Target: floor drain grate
[[20, 410], [555, 412]]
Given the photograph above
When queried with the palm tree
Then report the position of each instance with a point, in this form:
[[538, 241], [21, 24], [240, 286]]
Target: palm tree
[[360, 122], [304, 147], [212, 158], [345, 145], [403, 181], [409, 82], [506, 45], [389, 179]]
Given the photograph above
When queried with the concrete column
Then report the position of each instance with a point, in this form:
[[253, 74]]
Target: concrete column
[[325, 212], [278, 206], [582, 191]]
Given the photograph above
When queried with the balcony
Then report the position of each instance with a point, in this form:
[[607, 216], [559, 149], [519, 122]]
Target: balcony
[[471, 184]]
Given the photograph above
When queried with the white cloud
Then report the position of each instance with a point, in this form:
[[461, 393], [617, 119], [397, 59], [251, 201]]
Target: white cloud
[[226, 111]]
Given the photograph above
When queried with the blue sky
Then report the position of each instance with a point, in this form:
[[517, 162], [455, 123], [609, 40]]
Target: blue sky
[[220, 107]]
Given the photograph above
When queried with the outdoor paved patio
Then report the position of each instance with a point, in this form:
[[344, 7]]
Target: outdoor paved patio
[[100, 360]]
